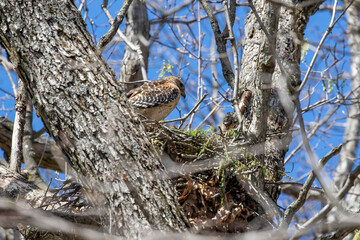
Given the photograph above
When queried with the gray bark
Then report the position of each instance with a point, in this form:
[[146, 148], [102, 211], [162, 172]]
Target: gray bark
[[76, 94], [257, 68], [138, 32], [269, 72]]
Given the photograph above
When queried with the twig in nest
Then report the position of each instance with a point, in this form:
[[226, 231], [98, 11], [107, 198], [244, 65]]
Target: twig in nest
[[226, 98], [140, 81], [182, 119]]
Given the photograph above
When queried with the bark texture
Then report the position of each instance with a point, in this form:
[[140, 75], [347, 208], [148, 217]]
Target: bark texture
[[138, 32], [77, 97], [270, 68], [257, 68], [269, 73]]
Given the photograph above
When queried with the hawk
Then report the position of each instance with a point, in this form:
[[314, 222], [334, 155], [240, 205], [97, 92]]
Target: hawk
[[156, 100]]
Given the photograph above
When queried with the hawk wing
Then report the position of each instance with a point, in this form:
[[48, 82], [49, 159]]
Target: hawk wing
[[153, 94]]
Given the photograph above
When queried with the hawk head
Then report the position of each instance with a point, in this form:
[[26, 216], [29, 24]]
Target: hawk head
[[178, 83]]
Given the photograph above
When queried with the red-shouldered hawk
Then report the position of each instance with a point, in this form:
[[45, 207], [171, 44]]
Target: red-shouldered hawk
[[156, 100]]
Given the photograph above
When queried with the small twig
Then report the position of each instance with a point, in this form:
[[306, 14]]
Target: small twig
[[47, 189], [182, 119], [13, 85], [172, 11], [224, 97], [105, 40], [210, 113], [134, 82], [1, 89], [81, 5], [39, 133], [180, 21], [84, 5], [200, 82], [5, 62]]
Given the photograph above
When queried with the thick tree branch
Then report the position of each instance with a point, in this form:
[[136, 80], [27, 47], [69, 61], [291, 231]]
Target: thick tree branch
[[135, 60], [17, 136], [20, 214]]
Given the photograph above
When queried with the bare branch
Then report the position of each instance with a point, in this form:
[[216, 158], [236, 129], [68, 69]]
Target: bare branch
[[299, 202], [315, 167], [16, 146], [327, 32], [230, 23], [182, 119], [172, 11], [28, 148], [135, 47], [47, 154], [45, 221], [325, 210], [221, 45], [105, 40], [315, 128]]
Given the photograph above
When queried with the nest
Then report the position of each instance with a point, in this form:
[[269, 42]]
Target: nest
[[213, 198]]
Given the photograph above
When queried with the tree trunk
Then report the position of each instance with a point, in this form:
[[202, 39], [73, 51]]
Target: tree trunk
[[137, 31], [75, 93], [270, 68]]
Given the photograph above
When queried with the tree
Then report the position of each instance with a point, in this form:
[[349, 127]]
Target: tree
[[98, 132], [115, 160]]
